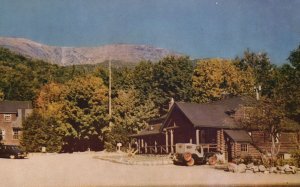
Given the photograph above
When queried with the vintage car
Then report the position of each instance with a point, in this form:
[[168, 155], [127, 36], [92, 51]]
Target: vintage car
[[190, 154], [11, 151]]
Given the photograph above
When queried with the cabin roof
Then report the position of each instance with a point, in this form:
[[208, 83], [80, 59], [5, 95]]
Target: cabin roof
[[238, 135], [149, 130], [215, 114], [13, 106]]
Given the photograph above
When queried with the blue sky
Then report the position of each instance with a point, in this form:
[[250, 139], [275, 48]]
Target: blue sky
[[199, 28]]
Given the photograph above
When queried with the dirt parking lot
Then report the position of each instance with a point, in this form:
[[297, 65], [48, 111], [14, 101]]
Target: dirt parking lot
[[84, 170]]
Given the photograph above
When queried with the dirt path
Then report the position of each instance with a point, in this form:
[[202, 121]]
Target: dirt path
[[83, 170]]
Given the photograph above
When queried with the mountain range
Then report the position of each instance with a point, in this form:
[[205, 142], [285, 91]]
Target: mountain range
[[125, 53]]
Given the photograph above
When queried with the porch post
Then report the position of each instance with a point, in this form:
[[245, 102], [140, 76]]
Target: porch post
[[172, 142], [197, 137], [139, 145], [145, 147], [167, 143], [222, 141], [155, 147]]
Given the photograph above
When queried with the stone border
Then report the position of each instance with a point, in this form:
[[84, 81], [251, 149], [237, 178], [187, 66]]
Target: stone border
[[132, 162]]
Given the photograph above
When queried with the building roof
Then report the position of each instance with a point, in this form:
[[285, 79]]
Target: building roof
[[215, 114], [13, 106], [149, 130], [238, 135]]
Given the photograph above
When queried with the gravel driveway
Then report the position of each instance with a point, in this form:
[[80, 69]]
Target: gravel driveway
[[83, 170]]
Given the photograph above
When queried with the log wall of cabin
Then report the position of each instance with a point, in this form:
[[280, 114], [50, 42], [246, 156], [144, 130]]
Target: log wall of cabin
[[288, 140], [251, 151]]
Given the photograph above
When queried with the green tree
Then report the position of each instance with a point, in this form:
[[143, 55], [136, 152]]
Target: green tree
[[172, 79], [266, 115], [85, 101], [143, 79], [288, 88], [214, 77], [39, 132], [130, 115], [263, 71]]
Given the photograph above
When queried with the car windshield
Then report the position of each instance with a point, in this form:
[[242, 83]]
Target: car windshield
[[12, 148]]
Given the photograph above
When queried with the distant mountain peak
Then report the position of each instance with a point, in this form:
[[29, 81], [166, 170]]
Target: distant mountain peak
[[127, 53]]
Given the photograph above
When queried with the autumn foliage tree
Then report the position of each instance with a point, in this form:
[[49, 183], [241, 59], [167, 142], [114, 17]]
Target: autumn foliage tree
[[1, 96], [79, 111], [214, 77]]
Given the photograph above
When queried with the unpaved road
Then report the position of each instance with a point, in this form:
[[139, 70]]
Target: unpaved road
[[84, 170]]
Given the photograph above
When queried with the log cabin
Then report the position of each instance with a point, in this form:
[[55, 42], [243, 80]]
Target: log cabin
[[213, 126]]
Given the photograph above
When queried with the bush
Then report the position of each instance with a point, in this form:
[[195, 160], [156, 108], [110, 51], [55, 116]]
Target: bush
[[296, 157], [116, 135], [245, 160], [248, 159], [291, 162]]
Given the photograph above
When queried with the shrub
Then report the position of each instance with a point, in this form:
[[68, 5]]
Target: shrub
[[291, 162], [248, 159], [296, 157]]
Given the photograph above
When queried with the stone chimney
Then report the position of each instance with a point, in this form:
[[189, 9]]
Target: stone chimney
[[171, 103]]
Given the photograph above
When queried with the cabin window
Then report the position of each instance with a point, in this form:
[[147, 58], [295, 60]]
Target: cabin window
[[16, 134], [244, 147], [2, 134], [7, 117]]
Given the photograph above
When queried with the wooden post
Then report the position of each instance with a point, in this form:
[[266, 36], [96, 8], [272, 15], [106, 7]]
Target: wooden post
[[172, 142], [142, 142], [222, 141], [145, 147], [219, 140], [167, 143], [155, 148], [191, 140], [139, 145], [197, 137]]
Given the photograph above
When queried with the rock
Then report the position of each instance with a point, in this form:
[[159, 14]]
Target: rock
[[266, 172], [288, 170], [262, 168], [280, 168], [294, 169], [255, 169], [232, 167], [273, 170], [285, 167], [241, 168], [249, 171], [281, 172], [249, 166]]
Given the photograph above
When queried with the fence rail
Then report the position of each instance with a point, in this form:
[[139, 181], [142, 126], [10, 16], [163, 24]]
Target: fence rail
[[163, 149]]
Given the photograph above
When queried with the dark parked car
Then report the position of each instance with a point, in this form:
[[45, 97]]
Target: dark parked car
[[11, 151]]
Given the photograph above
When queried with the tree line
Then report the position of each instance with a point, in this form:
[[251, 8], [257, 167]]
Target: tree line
[[71, 103]]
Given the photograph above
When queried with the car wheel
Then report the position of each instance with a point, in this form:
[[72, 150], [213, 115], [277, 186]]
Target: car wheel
[[191, 162], [187, 156], [12, 156], [212, 160]]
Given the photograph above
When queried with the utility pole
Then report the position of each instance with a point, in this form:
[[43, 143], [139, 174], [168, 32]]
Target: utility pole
[[109, 92]]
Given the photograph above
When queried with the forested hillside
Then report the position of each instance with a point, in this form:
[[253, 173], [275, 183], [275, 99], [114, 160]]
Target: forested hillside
[[71, 103]]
